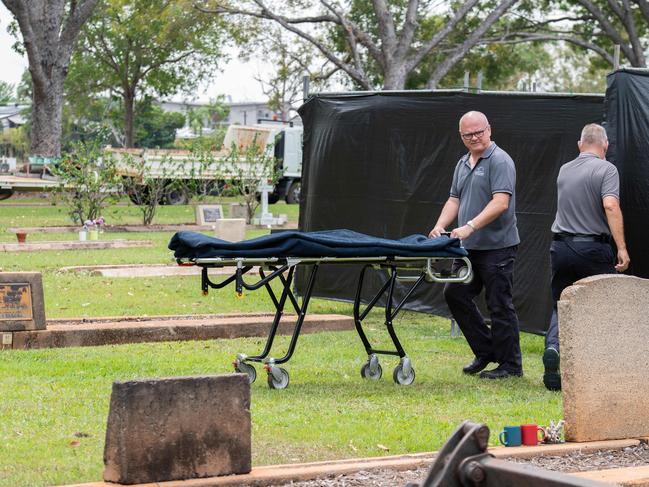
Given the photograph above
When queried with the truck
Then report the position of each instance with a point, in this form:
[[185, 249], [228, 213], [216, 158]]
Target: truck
[[12, 180], [283, 142]]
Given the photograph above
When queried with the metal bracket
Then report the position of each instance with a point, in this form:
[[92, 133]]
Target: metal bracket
[[464, 461]]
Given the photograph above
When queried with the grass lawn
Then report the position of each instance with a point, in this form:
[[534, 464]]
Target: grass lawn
[[54, 403]]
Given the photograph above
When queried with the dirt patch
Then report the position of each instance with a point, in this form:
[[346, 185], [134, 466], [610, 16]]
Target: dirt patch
[[577, 461]]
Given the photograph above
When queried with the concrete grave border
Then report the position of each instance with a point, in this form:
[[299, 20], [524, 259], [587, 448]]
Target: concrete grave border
[[274, 474]]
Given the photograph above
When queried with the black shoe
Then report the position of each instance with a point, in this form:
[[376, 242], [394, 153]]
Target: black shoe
[[499, 373], [551, 377], [476, 366]]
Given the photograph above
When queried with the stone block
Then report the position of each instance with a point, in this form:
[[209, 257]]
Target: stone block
[[237, 210], [208, 214], [603, 333], [21, 301], [178, 428], [230, 229]]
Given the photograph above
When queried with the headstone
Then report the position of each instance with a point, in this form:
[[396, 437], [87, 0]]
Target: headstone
[[178, 429], [208, 214], [230, 229], [237, 210], [21, 301], [603, 334]]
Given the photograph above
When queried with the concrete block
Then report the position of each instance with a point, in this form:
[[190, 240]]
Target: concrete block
[[22, 306], [178, 428], [603, 333], [237, 210], [230, 229]]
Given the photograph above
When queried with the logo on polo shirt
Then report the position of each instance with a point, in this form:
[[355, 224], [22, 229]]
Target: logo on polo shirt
[[479, 171]]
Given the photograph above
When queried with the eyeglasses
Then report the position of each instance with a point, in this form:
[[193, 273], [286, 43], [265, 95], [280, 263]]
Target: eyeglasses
[[477, 134]]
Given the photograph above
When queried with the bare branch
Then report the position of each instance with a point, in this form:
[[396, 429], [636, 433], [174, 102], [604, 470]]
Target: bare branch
[[288, 23], [525, 37], [440, 35], [608, 27], [386, 30], [264, 14], [359, 77], [408, 30], [629, 23], [351, 39], [441, 69]]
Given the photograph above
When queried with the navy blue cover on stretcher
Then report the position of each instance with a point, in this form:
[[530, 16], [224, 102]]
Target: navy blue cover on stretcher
[[330, 243]]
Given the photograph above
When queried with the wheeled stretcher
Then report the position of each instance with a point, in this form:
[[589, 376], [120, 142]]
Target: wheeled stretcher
[[412, 259]]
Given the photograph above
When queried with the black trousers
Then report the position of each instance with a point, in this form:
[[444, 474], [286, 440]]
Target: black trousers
[[493, 270], [572, 261]]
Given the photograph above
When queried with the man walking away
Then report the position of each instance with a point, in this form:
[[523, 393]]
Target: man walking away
[[588, 218]]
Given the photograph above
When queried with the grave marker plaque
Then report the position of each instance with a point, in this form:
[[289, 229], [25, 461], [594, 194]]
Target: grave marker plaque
[[21, 301], [207, 214]]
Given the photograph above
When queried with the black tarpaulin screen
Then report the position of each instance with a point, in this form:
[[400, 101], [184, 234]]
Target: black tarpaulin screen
[[381, 163], [627, 126]]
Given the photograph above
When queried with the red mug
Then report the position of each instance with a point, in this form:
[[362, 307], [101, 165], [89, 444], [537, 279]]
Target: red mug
[[530, 434]]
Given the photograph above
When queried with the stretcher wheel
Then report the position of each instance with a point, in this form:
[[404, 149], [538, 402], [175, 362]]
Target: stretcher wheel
[[404, 379], [366, 372], [245, 368], [463, 272], [277, 378]]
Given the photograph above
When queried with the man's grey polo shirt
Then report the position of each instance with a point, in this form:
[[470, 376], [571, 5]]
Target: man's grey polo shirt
[[493, 173], [581, 185]]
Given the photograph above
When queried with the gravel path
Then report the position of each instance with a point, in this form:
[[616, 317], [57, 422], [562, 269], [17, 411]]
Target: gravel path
[[574, 462]]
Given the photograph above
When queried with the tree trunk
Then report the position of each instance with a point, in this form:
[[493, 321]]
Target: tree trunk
[[49, 29], [395, 76], [47, 104], [129, 118]]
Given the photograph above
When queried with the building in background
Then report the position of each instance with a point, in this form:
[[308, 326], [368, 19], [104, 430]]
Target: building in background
[[241, 113], [11, 116]]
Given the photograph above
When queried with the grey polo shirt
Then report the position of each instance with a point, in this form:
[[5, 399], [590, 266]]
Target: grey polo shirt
[[581, 185], [493, 173]]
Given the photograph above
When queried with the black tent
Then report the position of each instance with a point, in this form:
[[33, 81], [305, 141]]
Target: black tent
[[381, 163], [627, 125]]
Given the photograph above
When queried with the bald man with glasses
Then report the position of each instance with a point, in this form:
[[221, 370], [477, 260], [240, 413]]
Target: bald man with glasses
[[482, 199]]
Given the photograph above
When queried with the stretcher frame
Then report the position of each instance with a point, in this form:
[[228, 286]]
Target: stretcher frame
[[283, 268]]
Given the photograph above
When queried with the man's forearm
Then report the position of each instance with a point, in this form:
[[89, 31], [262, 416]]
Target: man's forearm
[[616, 225], [449, 213], [496, 207]]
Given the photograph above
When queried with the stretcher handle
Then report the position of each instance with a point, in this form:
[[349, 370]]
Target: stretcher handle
[[462, 276]]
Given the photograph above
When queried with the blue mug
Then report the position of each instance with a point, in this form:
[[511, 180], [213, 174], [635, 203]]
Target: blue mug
[[511, 436]]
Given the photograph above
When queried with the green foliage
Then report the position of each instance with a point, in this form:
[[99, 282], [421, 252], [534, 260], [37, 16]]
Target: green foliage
[[7, 92], [502, 65], [101, 118], [208, 116], [207, 175], [154, 127], [89, 181], [207, 142], [132, 48], [14, 142], [147, 186]]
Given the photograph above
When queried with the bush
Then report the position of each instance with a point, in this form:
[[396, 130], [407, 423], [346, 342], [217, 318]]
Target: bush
[[89, 181]]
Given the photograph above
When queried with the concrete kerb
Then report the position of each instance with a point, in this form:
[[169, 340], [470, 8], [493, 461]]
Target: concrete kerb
[[274, 474], [189, 227], [80, 333]]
